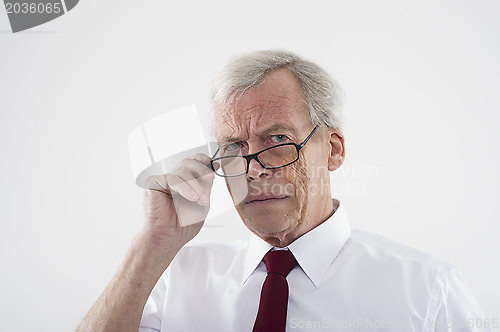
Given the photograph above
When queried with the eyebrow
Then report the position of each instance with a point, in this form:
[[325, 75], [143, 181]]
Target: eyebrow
[[275, 127]]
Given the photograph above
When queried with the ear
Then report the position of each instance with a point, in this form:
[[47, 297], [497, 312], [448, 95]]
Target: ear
[[337, 148]]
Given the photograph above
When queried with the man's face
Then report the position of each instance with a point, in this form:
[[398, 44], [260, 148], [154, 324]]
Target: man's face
[[277, 204]]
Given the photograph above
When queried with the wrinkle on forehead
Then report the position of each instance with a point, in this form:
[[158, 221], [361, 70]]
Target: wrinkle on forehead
[[255, 120], [278, 98]]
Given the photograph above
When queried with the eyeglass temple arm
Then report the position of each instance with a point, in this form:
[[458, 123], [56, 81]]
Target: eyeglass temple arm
[[309, 137], [211, 164], [215, 153]]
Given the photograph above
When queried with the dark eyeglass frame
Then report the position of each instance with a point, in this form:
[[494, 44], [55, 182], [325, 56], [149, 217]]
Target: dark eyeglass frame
[[249, 157]]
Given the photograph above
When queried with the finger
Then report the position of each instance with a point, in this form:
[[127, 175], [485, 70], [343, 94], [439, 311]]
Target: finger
[[188, 170], [157, 183], [178, 185], [186, 184], [198, 169], [202, 158]]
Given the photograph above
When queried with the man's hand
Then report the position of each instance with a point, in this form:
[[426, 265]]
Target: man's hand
[[181, 197]]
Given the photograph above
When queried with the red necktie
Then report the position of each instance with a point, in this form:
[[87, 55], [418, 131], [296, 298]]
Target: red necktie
[[274, 296]]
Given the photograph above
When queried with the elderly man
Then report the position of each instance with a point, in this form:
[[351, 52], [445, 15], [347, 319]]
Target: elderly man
[[277, 120]]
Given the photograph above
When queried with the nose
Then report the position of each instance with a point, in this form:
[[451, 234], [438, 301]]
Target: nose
[[256, 171]]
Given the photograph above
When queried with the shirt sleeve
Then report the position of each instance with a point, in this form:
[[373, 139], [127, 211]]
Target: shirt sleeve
[[454, 307], [153, 310]]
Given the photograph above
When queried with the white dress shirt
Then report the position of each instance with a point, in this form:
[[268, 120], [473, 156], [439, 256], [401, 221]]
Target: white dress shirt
[[345, 280]]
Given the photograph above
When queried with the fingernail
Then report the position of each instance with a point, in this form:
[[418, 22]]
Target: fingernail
[[204, 198]]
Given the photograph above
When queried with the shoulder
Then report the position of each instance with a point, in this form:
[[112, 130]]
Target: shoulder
[[381, 254], [390, 272]]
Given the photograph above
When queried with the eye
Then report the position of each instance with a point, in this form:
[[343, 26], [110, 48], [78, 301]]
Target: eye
[[278, 138], [233, 147]]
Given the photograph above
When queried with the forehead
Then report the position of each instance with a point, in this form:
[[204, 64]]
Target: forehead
[[277, 101]]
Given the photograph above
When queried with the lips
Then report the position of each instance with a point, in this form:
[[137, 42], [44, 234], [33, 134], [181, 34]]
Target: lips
[[264, 197]]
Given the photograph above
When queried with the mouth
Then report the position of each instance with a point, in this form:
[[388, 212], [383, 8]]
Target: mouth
[[265, 198]]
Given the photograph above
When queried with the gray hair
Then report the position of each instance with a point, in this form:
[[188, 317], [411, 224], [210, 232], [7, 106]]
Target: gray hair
[[323, 95]]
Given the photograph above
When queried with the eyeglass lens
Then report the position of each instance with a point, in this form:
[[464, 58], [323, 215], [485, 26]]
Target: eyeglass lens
[[275, 157]]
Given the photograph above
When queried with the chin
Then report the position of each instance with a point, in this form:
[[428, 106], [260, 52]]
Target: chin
[[264, 227], [272, 221], [264, 210]]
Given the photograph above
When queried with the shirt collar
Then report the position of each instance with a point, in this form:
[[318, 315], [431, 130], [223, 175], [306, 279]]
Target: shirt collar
[[315, 251]]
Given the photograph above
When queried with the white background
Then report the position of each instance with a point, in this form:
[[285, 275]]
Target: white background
[[422, 86]]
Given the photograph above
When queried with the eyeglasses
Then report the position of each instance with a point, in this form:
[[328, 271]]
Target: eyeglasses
[[274, 157]]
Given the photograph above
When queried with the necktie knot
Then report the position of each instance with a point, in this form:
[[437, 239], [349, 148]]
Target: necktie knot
[[280, 262]]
